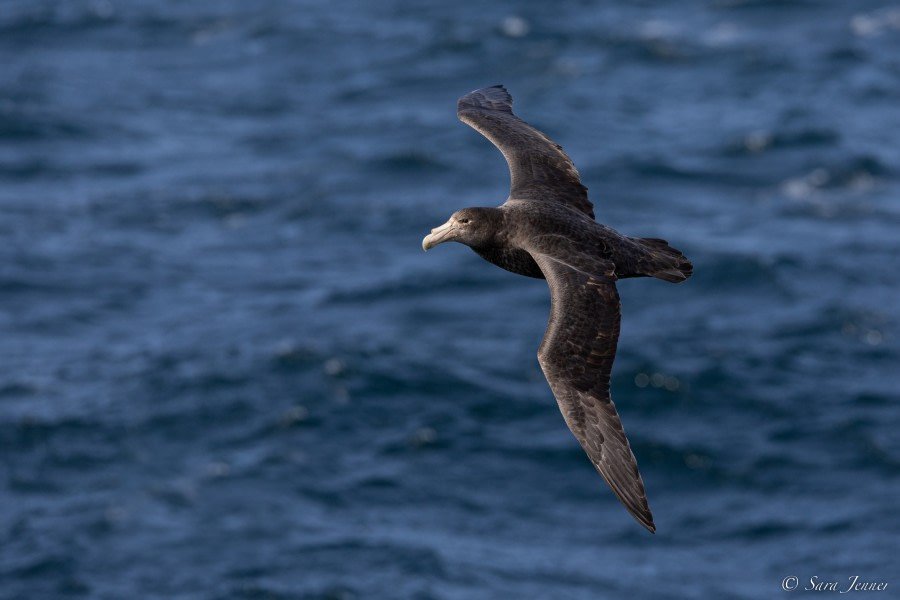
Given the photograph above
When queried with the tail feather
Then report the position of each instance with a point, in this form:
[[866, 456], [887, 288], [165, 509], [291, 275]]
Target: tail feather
[[662, 261]]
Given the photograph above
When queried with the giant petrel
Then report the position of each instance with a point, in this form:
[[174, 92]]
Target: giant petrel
[[546, 229]]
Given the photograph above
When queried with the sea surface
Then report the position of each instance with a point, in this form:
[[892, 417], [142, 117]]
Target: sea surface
[[228, 370]]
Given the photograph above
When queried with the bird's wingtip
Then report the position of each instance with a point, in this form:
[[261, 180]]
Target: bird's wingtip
[[645, 519]]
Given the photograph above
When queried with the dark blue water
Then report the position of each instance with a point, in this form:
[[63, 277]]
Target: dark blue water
[[229, 371]]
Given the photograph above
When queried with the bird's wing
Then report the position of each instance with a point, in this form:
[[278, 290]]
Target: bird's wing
[[539, 169], [576, 356]]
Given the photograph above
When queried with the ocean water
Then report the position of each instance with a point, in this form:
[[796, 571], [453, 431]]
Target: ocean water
[[228, 370]]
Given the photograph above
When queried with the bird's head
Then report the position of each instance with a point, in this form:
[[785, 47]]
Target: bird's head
[[474, 227]]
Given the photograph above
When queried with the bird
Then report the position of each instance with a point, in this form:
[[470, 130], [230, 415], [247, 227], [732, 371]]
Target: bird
[[546, 229]]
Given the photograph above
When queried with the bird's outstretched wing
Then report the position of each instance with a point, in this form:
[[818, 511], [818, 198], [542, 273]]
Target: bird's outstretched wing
[[576, 356], [539, 169]]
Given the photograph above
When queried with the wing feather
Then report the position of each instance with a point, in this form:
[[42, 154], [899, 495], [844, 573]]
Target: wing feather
[[576, 356], [539, 168]]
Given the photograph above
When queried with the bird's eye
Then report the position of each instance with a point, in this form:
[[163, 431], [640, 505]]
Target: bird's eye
[[463, 220]]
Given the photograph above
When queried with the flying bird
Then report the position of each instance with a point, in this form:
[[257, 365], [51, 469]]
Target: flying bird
[[546, 229]]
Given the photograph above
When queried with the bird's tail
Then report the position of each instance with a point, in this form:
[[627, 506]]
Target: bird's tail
[[662, 261]]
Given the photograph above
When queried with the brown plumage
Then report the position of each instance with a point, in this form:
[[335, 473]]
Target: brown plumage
[[546, 229]]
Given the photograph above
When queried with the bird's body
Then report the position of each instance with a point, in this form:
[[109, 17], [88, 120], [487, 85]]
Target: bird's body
[[552, 225], [546, 229]]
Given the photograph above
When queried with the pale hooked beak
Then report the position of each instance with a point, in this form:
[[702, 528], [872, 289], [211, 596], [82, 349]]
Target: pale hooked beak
[[438, 235]]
